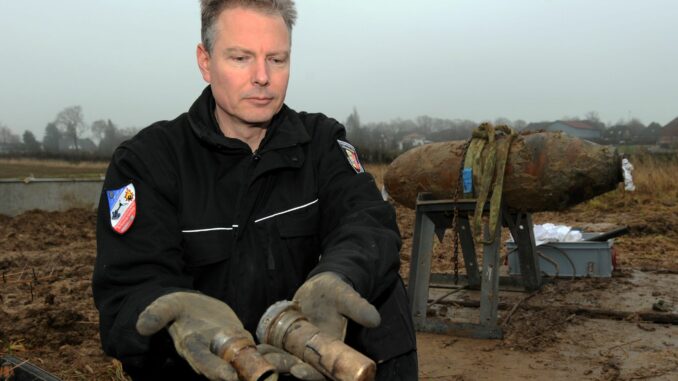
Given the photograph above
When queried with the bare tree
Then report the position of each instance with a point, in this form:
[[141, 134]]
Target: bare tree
[[71, 123], [502, 121], [424, 124], [354, 131], [31, 144], [50, 142], [99, 128], [519, 124], [109, 136], [592, 116], [7, 136], [594, 119], [635, 124], [353, 121]]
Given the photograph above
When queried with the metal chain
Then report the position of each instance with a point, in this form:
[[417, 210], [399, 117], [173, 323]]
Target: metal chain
[[455, 255], [455, 217]]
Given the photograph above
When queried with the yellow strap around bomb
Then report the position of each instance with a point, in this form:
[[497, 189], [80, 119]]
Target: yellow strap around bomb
[[487, 157]]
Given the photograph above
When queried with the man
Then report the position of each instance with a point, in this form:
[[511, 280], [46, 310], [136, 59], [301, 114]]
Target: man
[[208, 219]]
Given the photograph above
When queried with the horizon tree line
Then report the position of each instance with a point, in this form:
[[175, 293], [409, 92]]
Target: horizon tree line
[[69, 135]]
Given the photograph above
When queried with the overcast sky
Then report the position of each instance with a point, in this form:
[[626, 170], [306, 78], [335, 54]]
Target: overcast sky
[[134, 61]]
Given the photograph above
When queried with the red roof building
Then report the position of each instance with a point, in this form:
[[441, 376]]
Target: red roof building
[[668, 136]]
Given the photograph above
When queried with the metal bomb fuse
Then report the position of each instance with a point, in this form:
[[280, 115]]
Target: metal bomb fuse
[[545, 171], [283, 326], [242, 354]]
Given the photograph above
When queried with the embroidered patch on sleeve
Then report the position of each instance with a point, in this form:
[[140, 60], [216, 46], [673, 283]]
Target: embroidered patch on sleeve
[[122, 205], [351, 155]]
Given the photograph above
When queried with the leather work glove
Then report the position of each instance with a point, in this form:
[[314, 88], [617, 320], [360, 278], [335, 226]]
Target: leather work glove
[[327, 300], [195, 320], [285, 362]]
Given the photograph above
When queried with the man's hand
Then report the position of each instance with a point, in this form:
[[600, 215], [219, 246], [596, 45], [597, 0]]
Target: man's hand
[[194, 320], [285, 362], [327, 300]]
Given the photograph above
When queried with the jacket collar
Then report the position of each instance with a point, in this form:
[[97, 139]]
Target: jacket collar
[[285, 130]]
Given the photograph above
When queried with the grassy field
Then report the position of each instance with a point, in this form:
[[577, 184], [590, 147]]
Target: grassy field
[[23, 168], [657, 177]]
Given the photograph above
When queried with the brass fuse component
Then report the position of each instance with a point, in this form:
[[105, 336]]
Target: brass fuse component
[[242, 354], [284, 326]]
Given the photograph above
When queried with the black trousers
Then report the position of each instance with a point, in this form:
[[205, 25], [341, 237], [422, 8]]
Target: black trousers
[[401, 368]]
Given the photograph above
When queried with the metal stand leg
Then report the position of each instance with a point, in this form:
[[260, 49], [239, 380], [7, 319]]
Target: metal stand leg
[[521, 229], [420, 265], [489, 289], [434, 215], [468, 249]]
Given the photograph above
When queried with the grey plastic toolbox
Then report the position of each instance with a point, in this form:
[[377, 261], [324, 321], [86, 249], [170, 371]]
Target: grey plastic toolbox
[[565, 259]]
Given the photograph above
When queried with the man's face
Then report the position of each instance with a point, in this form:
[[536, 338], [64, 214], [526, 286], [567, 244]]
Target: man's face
[[249, 66]]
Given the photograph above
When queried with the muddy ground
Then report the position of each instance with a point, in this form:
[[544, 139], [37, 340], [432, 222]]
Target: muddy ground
[[47, 315]]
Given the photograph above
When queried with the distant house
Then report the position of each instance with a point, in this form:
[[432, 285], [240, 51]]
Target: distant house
[[618, 134], [579, 129], [631, 134], [668, 137], [412, 140], [649, 134]]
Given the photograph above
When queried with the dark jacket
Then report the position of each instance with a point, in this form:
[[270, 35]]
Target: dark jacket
[[246, 228]]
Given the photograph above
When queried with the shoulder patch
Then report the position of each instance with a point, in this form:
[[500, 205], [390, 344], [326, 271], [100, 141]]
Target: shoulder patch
[[122, 207], [351, 155]]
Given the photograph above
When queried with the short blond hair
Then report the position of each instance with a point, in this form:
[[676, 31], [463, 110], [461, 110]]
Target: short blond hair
[[211, 9]]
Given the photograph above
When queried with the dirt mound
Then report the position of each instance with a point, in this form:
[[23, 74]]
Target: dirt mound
[[532, 331], [666, 225], [39, 230], [46, 309]]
